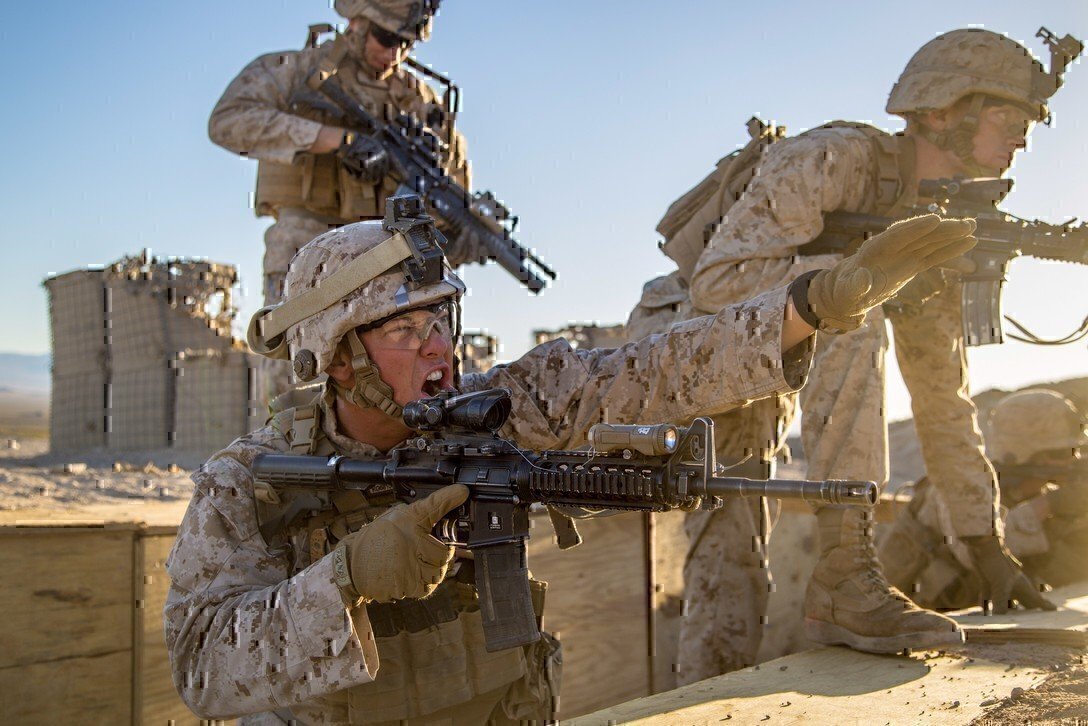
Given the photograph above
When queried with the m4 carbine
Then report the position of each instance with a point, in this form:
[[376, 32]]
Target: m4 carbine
[[1001, 237], [415, 153], [644, 468]]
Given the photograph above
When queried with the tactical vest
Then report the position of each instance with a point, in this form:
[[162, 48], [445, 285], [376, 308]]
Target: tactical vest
[[431, 651], [317, 182]]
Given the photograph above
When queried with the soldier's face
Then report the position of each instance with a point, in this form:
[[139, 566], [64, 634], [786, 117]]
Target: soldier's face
[[412, 373], [382, 50], [1002, 131]]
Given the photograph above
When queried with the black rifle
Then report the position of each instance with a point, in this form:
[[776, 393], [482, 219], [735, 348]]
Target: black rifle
[[415, 153], [642, 468], [1001, 237]]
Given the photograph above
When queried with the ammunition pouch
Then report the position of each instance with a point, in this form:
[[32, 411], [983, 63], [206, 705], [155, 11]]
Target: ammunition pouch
[[433, 657], [319, 184]]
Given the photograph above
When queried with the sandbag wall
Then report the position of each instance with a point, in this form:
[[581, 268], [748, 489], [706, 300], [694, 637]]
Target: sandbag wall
[[144, 359]]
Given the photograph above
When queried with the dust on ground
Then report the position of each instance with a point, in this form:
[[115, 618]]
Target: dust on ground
[[39, 485], [1061, 699]]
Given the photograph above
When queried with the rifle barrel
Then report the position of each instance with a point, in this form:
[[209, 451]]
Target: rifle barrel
[[831, 491]]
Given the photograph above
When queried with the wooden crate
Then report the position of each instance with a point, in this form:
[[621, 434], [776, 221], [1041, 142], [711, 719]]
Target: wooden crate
[[81, 640], [85, 618]]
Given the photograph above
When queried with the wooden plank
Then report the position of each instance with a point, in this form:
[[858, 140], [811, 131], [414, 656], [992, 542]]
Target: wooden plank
[[74, 595], [596, 604], [87, 690], [838, 685], [833, 685], [1072, 613], [793, 550], [670, 551], [154, 699]]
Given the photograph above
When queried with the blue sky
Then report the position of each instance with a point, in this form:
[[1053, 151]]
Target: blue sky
[[588, 118]]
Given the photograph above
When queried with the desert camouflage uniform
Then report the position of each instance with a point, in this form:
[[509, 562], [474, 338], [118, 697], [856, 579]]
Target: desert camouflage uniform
[[844, 432], [727, 581], [254, 626], [941, 574], [269, 114]]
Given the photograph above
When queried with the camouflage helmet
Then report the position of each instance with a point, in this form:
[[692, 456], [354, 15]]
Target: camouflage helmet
[[1026, 423], [408, 18], [967, 62], [346, 278]]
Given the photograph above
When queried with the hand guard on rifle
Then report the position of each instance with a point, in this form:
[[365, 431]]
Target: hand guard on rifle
[[396, 556], [363, 157], [840, 297], [1002, 579]]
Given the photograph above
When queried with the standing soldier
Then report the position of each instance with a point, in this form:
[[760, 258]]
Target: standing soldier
[[312, 173], [336, 607], [970, 97]]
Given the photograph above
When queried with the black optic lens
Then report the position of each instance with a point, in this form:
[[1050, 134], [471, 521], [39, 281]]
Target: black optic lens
[[388, 39]]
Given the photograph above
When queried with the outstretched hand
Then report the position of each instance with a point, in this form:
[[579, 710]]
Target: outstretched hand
[[841, 296]]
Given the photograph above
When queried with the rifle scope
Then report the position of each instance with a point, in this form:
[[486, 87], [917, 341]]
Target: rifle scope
[[480, 411]]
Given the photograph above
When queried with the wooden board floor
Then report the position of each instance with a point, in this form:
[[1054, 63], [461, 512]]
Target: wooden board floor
[[838, 685]]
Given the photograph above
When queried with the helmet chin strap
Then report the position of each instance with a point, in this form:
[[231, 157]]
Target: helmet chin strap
[[960, 138], [369, 391]]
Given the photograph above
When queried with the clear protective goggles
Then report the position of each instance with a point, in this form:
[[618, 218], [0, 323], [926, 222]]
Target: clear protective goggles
[[1015, 122], [410, 330]]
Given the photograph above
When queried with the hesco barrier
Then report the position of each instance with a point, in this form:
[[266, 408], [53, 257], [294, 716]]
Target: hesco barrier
[[143, 358]]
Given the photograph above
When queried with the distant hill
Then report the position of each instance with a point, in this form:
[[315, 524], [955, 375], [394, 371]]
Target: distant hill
[[26, 373]]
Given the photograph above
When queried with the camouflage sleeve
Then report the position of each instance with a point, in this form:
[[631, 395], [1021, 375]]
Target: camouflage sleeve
[[703, 366], [251, 119], [244, 636], [799, 180]]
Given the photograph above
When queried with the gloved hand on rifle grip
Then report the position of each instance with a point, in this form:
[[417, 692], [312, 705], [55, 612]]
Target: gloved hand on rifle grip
[[1002, 579], [840, 297], [396, 556], [364, 157]]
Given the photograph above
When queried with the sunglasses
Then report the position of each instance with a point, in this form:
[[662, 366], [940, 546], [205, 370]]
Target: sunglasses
[[389, 39]]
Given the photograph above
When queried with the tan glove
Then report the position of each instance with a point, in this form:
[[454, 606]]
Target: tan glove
[[396, 556], [1003, 582], [841, 296]]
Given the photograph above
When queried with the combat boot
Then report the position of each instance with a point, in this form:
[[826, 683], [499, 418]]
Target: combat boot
[[849, 602]]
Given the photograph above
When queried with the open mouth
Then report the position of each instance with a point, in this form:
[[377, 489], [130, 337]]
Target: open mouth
[[434, 383]]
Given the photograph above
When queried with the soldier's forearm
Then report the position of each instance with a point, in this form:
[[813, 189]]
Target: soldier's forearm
[[794, 329], [328, 140]]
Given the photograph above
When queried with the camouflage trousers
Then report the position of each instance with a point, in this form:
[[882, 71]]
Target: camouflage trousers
[[844, 435], [292, 229], [727, 581], [932, 357]]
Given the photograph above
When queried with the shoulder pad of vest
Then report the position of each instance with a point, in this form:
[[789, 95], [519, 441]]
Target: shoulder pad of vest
[[296, 398]]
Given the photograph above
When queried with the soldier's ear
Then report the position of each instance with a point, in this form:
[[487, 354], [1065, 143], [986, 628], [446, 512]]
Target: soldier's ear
[[340, 368], [942, 119]]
